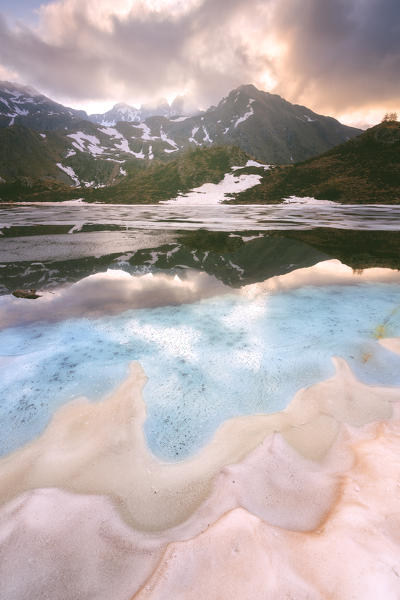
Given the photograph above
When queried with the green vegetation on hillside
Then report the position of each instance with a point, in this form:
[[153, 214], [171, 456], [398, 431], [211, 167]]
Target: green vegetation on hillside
[[163, 181], [142, 185], [363, 170], [24, 153]]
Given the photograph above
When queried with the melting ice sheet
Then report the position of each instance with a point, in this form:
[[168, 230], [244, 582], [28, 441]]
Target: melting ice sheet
[[206, 362]]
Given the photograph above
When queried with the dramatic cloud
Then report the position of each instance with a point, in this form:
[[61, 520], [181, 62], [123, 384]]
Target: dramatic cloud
[[342, 55], [332, 55], [99, 49]]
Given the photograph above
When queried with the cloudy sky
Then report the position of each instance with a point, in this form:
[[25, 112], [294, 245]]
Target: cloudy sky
[[338, 57]]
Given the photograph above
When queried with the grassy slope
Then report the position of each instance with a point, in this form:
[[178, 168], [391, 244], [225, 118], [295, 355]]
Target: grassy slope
[[25, 154], [28, 162], [164, 181], [363, 170], [142, 185]]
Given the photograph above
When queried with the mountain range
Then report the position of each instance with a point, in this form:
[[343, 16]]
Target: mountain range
[[47, 146], [124, 112], [24, 105]]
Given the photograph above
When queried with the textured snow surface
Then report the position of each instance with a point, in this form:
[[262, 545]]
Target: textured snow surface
[[302, 503], [258, 514]]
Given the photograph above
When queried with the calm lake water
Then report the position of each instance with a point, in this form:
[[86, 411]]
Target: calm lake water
[[43, 245], [220, 217]]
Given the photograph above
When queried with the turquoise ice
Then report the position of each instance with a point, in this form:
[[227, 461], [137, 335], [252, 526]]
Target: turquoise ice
[[206, 362]]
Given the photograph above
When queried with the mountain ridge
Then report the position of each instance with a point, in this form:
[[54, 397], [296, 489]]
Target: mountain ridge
[[124, 112], [264, 125]]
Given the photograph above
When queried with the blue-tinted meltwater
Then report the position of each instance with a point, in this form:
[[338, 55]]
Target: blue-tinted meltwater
[[206, 362]]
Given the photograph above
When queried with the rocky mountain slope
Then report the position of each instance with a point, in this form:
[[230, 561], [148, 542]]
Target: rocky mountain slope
[[363, 170], [266, 126], [22, 105]]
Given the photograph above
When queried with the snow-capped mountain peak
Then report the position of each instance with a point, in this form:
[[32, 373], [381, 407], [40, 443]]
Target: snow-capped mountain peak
[[24, 105], [125, 112]]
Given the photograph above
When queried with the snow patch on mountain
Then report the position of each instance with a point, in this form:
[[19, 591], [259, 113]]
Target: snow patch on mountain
[[20, 111], [165, 138], [111, 132], [246, 116], [86, 143], [192, 138], [146, 135], [253, 163], [206, 137], [179, 119], [124, 146], [70, 172], [216, 193], [14, 112], [139, 154]]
